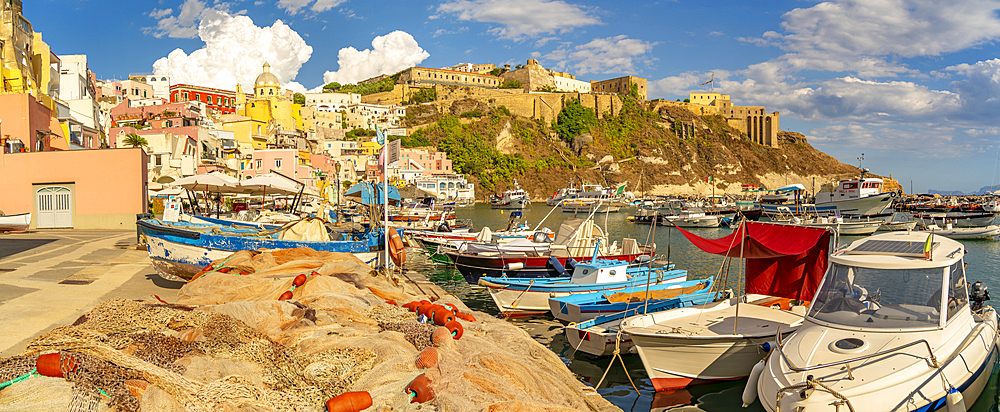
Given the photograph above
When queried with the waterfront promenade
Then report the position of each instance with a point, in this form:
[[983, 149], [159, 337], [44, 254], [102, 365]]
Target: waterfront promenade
[[49, 278]]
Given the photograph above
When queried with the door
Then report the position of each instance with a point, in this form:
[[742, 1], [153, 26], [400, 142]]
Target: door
[[54, 204]]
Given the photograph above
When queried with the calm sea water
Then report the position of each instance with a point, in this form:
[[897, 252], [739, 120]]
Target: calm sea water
[[983, 261]]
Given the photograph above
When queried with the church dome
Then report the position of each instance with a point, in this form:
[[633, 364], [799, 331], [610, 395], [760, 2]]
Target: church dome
[[266, 79]]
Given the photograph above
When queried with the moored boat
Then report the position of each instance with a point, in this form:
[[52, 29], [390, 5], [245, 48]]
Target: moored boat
[[525, 297], [514, 198], [15, 223], [894, 327], [722, 340], [581, 307]]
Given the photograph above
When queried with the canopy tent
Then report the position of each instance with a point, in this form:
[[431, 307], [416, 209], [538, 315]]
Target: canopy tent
[[782, 260], [210, 182], [269, 184], [371, 194], [170, 191]]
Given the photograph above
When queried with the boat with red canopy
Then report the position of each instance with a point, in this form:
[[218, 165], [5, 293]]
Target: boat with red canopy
[[722, 340]]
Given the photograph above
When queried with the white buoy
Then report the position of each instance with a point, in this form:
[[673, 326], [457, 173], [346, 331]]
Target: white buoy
[[750, 391], [956, 403]]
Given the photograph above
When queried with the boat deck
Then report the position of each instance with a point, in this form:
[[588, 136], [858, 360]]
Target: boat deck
[[754, 320]]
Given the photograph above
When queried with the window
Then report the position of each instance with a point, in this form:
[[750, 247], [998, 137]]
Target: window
[[158, 160], [185, 95], [277, 164], [196, 97], [260, 163], [958, 293]]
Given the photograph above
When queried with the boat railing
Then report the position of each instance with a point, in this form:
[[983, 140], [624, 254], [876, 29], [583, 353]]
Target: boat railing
[[933, 359]]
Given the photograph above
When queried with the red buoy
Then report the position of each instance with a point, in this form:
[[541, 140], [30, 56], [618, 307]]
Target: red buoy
[[52, 366], [441, 337], [466, 317], [456, 329], [285, 296], [299, 280], [442, 317], [454, 309], [420, 389], [349, 402]]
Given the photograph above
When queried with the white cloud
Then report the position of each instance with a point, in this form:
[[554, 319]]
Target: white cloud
[[235, 49], [521, 18], [980, 90], [389, 54], [294, 6], [185, 24], [159, 14], [608, 55]]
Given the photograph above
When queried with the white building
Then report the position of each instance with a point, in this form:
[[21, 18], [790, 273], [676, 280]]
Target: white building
[[448, 187], [332, 102], [366, 116], [75, 88], [565, 84]]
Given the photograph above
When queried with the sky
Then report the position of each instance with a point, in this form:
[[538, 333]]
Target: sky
[[909, 88]]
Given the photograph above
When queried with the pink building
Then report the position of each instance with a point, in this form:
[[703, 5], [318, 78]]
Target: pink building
[[52, 187], [433, 163], [28, 125], [176, 118], [289, 162]]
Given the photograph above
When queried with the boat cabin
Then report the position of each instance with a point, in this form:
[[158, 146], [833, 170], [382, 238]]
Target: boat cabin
[[893, 282], [600, 271]]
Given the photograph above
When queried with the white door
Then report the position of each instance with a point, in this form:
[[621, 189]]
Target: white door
[[54, 205]]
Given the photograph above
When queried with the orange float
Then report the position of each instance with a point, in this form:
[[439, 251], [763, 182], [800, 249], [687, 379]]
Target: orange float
[[420, 390], [441, 337], [51, 365], [427, 358], [350, 402], [456, 329], [466, 317], [442, 317]]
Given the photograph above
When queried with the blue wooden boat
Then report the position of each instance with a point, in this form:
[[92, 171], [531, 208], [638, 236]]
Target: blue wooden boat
[[601, 335], [179, 250], [580, 307], [530, 296]]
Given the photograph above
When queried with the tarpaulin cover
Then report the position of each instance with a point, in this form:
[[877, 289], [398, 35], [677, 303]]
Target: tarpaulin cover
[[782, 260]]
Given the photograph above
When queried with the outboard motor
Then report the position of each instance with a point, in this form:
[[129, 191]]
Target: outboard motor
[[540, 237], [978, 293], [443, 227]]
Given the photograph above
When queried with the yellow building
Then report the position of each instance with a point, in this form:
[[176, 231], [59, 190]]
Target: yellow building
[[250, 134], [268, 104], [370, 148]]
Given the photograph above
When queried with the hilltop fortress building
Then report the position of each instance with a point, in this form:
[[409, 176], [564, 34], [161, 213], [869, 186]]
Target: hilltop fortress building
[[761, 127]]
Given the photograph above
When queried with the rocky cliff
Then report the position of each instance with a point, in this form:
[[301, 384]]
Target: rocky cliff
[[639, 147]]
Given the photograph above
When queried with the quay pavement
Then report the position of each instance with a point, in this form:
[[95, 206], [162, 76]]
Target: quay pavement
[[49, 278]]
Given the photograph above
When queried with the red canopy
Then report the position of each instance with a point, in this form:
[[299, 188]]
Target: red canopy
[[782, 260]]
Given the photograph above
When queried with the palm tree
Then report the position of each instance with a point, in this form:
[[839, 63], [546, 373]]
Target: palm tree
[[135, 140]]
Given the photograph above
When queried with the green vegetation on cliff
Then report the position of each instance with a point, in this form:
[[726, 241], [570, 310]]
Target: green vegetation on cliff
[[574, 120], [384, 85]]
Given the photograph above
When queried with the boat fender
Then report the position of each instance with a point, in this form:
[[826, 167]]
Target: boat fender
[[766, 347], [555, 264], [349, 402], [514, 266], [956, 403], [750, 391], [570, 265]]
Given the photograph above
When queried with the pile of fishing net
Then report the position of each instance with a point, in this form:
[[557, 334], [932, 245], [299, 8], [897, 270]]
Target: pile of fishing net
[[290, 330]]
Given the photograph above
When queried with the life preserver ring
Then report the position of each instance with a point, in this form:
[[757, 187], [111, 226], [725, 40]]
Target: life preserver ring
[[396, 250]]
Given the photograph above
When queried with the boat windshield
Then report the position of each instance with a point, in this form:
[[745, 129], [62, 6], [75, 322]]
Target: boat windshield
[[880, 298]]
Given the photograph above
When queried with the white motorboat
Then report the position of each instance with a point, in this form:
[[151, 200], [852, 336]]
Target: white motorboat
[[845, 227], [694, 219], [956, 219], [894, 327], [949, 231], [862, 196], [514, 198], [14, 223], [722, 340]]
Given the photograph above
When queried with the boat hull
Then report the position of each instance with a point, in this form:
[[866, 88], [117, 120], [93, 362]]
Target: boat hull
[[473, 267], [598, 341], [678, 363], [521, 300], [15, 223], [987, 232], [513, 204], [869, 205]]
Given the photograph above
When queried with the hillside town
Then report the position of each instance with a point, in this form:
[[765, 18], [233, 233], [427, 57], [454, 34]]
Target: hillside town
[[53, 102]]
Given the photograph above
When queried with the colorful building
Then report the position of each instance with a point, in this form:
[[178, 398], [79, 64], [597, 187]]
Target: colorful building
[[223, 101]]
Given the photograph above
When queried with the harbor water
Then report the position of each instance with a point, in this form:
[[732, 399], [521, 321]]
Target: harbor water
[[983, 260]]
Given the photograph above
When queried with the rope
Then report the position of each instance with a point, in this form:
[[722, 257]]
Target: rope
[[513, 305], [617, 354], [810, 381], [19, 379]]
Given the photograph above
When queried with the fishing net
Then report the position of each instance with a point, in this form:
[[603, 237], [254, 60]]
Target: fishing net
[[230, 344]]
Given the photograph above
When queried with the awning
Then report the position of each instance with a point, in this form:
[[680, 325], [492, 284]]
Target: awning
[[782, 260], [365, 193]]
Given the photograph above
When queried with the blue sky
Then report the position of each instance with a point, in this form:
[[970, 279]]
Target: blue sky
[[912, 84]]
